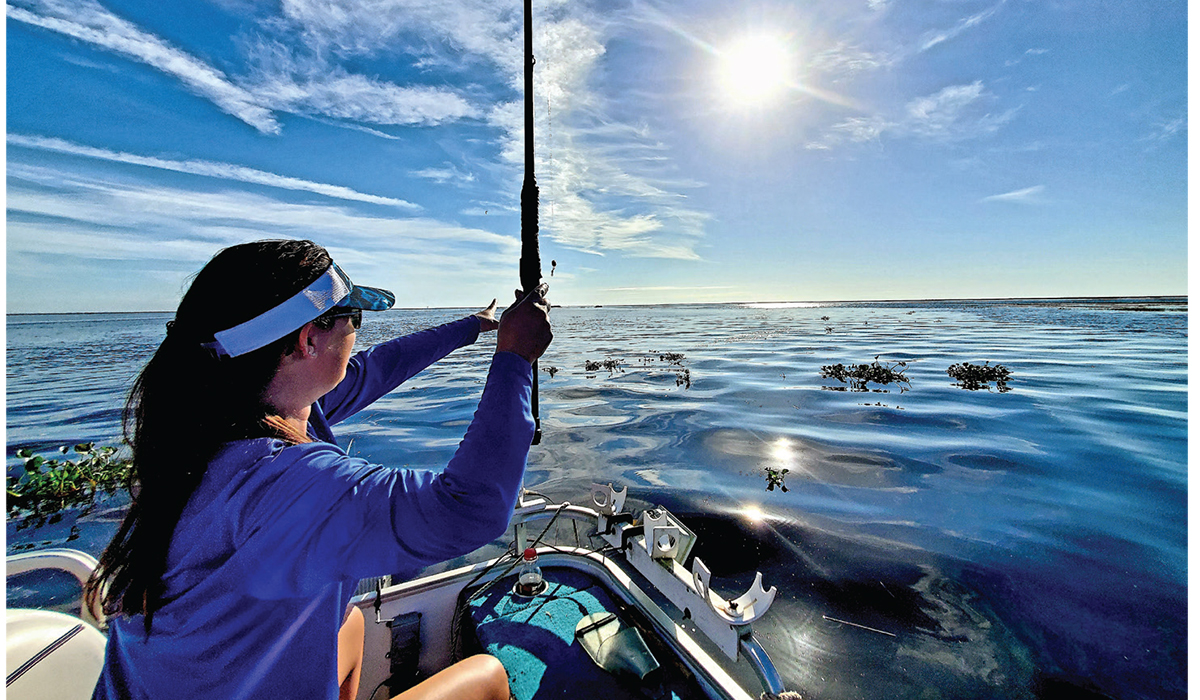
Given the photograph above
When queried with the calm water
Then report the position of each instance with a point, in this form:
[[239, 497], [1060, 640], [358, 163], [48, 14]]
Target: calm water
[[983, 544]]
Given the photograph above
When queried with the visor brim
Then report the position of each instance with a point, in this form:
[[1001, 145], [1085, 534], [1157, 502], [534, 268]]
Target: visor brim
[[368, 299]]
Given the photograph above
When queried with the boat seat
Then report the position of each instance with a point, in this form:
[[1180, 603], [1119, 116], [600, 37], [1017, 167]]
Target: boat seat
[[51, 655], [535, 640]]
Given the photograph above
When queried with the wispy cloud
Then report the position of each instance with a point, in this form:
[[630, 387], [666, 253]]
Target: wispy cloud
[[601, 186], [844, 59], [1167, 130], [1028, 52], [1028, 195], [932, 39], [954, 113], [447, 174], [481, 28], [357, 98], [91, 23], [224, 171], [309, 84], [947, 114], [596, 198], [278, 80], [75, 220]]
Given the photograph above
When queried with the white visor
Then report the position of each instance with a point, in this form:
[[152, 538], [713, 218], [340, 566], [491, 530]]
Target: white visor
[[331, 288]]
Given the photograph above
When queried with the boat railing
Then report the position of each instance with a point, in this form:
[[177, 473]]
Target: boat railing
[[78, 564], [657, 545]]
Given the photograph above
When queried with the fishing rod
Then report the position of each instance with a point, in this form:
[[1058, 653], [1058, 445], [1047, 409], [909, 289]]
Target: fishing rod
[[531, 261]]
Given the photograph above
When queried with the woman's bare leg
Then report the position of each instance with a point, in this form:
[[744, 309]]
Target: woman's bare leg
[[350, 654], [480, 677]]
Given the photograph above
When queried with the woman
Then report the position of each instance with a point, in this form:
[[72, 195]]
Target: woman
[[250, 527]]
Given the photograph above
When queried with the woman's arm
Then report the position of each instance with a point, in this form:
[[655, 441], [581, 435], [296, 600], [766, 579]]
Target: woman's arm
[[318, 515], [322, 515], [383, 367]]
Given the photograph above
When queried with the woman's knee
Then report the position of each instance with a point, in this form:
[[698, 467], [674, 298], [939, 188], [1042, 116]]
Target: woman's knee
[[350, 643], [491, 674], [354, 621]]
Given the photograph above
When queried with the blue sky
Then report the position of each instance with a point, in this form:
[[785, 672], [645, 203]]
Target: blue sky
[[687, 151]]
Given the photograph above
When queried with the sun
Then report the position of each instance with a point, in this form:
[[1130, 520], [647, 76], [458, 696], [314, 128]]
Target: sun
[[755, 69]]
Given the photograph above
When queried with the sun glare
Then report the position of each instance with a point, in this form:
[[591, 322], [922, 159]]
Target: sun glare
[[755, 69], [754, 514]]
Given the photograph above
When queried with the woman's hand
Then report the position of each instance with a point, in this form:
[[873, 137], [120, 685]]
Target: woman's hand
[[525, 326], [487, 318]]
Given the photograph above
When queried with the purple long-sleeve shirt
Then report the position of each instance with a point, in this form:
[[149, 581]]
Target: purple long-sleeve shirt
[[276, 537]]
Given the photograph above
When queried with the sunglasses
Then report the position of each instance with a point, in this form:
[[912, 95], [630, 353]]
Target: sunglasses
[[326, 320]]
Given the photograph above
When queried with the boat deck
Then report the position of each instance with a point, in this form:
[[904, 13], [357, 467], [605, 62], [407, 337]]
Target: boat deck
[[535, 639]]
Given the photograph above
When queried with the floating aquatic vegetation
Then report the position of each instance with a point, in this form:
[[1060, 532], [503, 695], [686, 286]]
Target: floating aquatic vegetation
[[610, 364], [683, 375], [50, 486], [975, 377], [860, 375], [775, 478]]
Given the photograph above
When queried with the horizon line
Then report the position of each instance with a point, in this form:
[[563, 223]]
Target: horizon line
[[684, 303]]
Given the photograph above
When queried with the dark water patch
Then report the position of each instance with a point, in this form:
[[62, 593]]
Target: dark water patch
[[1051, 687], [908, 419], [994, 463], [1082, 630], [865, 619]]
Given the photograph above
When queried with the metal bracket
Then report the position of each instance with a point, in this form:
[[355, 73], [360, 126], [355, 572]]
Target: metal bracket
[[608, 500], [608, 503], [526, 504], [742, 610], [665, 536]]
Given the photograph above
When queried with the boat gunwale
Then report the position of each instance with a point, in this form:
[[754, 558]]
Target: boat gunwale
[[713, 678]]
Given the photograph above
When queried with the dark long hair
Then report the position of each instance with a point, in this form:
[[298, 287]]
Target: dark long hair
[[186, 404]]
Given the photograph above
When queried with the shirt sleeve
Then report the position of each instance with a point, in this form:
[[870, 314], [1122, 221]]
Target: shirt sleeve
[[383, 367], [330, 516]]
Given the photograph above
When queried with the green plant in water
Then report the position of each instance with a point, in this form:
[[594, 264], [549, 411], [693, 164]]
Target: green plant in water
[[858, 376], [610, 365], [975, 377], [50, 486], [775, 478]]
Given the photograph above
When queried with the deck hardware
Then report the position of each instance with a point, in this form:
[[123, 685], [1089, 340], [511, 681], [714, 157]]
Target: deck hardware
[[741, 610], [753, 652], [608, 500], [528, 503], [378, 604], [595, 624], [665, 537], [608, 503], [627, 535]]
